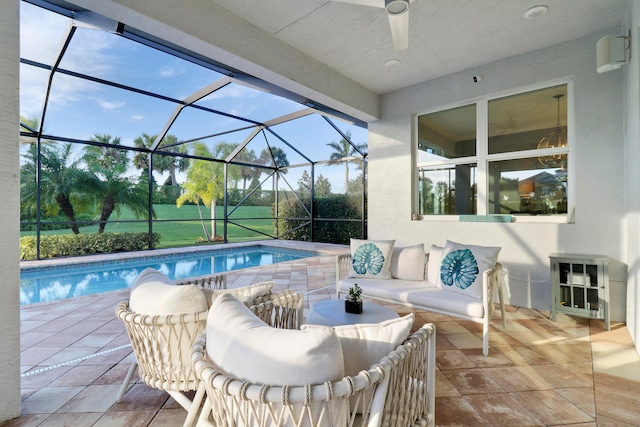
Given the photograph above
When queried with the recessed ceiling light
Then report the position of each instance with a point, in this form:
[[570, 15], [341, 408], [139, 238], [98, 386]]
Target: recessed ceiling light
[[392, 63], [536, 12]]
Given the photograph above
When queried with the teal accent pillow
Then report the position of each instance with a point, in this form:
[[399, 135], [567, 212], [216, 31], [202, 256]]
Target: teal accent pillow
[[462, 266], [371, 258]]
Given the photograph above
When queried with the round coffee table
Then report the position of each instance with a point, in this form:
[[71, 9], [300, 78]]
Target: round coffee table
[[331, 313]]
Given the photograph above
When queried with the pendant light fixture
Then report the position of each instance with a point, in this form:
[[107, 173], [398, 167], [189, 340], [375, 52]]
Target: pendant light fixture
[[554, 139]]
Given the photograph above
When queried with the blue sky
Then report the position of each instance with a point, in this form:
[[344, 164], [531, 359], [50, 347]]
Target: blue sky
[[80, 108]]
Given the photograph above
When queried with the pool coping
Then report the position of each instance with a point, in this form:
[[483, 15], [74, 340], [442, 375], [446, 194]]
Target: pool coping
[[322, 248]]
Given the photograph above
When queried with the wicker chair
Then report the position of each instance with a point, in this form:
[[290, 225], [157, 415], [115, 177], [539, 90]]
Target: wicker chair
[[399, 392], [192, 326], [162, 344], [158, 343]]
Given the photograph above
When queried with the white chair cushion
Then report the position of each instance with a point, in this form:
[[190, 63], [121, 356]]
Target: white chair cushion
[[245, 294], [408, 263], [462, 267], [371, 258], [365, 344], [244, 346], [153, 293], [433, 269]]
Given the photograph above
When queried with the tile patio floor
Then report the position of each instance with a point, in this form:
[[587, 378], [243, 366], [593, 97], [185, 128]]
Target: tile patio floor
[[74, 355]]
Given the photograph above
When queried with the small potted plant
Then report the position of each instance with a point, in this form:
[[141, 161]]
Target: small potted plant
[[353, 302]]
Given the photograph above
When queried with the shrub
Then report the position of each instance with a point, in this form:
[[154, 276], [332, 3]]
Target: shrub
[[58, 245], [335, 206], [56, 223]]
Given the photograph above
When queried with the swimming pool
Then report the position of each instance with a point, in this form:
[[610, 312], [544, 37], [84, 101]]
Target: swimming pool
[[54, 283]]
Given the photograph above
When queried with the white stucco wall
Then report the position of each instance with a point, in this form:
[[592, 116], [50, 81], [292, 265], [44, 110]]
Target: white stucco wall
[[9, 213], [599, 170], [631, 235]]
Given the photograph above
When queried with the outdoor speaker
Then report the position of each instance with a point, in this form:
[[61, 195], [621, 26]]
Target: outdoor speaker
[[610, 53]]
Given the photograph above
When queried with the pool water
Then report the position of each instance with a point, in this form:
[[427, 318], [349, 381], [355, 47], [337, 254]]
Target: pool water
[[59, 282]]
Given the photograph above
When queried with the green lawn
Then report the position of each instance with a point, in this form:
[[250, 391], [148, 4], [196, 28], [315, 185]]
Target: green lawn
[[184, 227]]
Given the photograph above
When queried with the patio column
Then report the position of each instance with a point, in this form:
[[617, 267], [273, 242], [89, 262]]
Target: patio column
[[10, 212]]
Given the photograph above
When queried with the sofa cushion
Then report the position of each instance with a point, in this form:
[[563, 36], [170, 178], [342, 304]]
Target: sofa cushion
[[433, 266], [154, 293], [242, 345], [365, 344], [407, 263], [245, 294], [462, 267], [371, 258], [419, 294]]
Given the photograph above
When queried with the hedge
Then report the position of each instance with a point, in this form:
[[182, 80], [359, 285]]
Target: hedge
[[58, 245], [338, 206]]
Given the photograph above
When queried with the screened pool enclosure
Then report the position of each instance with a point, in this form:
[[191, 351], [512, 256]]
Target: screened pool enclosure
[[121, 132]]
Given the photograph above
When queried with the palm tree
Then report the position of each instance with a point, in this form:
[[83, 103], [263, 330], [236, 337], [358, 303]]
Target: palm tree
[[343, 149], [108, 184], [31, 122], [161, 163], [247, 172], [275, 157], [204, 184], [61, 181]]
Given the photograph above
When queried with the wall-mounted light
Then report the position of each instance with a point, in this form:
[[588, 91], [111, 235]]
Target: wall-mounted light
[[612, 52]]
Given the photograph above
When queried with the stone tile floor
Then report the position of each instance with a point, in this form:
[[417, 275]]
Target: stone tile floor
[[75, 354]]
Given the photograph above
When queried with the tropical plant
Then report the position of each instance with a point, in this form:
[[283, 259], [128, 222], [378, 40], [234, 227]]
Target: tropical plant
[[355, 293], [26, 124], [108, 184], [204, 184], [61, 182], [342, 150], [275, 157], [247, 173], [161, 162]]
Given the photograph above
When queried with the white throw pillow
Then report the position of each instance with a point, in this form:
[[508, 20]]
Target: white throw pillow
[[408, 263], [242, 345], [433, 269], [371, 258], [365, 344], [245, 294], [153, 293], [462, 267]]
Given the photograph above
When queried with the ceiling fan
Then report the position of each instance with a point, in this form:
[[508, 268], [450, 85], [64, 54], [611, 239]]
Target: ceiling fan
[[398, 12]]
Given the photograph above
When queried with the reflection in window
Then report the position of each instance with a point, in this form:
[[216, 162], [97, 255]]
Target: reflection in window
[[448, 134], [448, 191], [517, 146], [524, 186], [521, 122]]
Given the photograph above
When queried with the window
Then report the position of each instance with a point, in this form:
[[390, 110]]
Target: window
[[498, 155]]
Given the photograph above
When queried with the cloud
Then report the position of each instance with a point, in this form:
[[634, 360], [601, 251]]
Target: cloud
[[110, 105], [41, 35], [167, 72], [136, 117]]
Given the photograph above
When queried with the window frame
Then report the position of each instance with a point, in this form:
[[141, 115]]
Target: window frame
[[482, 159]]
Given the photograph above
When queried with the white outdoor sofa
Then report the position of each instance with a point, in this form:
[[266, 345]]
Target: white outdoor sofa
[[426, 295]]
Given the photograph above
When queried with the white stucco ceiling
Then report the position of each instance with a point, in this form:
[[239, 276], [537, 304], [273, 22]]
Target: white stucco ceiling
[[334, 53], [445, 36]]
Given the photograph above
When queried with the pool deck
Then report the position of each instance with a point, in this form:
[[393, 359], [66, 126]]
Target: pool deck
[[75, 354]]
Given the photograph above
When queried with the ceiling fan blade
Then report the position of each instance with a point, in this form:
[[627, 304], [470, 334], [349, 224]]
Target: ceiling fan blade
[[371, 3], [400, 30]]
